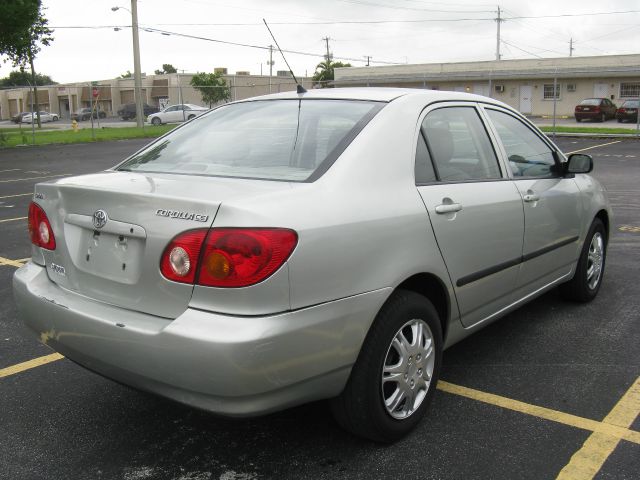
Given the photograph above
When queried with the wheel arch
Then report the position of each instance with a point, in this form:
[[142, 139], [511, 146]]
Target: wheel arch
[[604, 217], [434, 289]]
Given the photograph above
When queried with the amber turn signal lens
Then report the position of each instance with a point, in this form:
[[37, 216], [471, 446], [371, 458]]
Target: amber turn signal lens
[[217, 265]]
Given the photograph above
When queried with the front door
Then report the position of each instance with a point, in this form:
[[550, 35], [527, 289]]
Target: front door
[[552, 210], [475, 211], [525, 99]]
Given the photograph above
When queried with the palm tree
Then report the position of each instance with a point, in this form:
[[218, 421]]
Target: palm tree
[[324, 72]]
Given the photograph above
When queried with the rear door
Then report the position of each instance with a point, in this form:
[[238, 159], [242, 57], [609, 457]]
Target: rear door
[[475, 210], [552, 209]]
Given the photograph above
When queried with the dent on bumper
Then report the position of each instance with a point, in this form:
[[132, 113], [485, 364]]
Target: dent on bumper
[[229, 365]]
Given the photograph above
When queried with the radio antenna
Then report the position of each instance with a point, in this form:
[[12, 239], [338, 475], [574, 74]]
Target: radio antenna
[[299, 88]]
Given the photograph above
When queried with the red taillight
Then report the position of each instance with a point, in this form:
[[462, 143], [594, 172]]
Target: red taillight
[[180, 259], [597, 109], [40, 229], [239, 257], [231, 257]]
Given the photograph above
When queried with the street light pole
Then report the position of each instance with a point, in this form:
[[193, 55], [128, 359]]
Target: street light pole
[[136, 64]]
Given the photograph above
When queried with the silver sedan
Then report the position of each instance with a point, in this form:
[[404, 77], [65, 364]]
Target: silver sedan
[[323, 245]]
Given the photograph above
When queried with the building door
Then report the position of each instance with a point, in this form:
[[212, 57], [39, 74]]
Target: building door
[[525, 99], [601, 90]]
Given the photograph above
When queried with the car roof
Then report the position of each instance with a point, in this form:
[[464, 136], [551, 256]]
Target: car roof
[[379, 94]]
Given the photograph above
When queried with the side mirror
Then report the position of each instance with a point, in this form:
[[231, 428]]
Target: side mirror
[[579, 163]]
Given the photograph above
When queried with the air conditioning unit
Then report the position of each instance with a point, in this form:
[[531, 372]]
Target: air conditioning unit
[[499, 88], [571, 87]]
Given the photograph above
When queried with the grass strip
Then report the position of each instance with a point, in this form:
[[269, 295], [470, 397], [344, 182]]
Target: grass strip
[[600, 130], [14, 138]]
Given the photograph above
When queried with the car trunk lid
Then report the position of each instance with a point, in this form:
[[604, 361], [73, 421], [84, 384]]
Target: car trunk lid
[[111, 230]]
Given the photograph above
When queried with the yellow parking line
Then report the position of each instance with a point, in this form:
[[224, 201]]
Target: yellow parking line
[[33, 178], [595, 146], [12, 219], [588, 461], [13, 263], [612, 430], [18, 195], [36, 362]]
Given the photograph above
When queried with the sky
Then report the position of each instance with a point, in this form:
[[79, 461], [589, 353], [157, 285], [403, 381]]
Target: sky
[[389, 31]]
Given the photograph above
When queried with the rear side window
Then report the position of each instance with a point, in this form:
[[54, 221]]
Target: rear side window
[[286, 140], [459, 145], [528, 155]]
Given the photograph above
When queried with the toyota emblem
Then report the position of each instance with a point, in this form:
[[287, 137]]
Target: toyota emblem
[[100, 218]]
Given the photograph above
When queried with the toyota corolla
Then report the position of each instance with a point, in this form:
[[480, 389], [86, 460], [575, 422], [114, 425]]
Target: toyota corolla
[[321, 245]]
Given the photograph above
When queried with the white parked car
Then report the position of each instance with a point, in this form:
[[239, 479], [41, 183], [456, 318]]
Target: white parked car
[[44, 117], [176, 113]]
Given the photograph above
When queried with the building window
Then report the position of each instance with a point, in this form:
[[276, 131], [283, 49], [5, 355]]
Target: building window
[[628, 90], [571, 87], [548, 91]]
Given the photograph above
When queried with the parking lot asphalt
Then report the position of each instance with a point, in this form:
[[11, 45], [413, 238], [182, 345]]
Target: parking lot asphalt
[[549, 391]]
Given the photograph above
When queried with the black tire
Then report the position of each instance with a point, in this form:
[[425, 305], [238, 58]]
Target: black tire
[[156, 121], [619, 120], [577, 120], [190, 117], [361, 408], [581, 287]]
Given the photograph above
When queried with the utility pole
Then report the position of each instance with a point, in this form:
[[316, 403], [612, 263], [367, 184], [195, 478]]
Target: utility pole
[[136, 64], [571, 49], [328, 57], [498, 20], [270, 65], [368, 57]]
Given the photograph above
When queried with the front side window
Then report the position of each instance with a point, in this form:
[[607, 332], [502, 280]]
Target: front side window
[[459, 145], [271, 139], [528, 155]]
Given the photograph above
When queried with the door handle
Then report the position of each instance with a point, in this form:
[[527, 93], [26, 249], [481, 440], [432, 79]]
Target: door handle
[[448, 208], [531, 197]]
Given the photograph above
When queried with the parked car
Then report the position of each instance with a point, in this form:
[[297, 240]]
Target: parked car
[[176, 113], [44, 117], [87, 113], [596, 109], [628, 111], [128, 111], [18, 117], [297, 247]]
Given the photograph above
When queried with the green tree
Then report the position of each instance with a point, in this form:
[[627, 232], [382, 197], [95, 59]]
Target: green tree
[[20, 78], [212, 87], [23, 32], [324, 72], [166, 68], [127, 74]]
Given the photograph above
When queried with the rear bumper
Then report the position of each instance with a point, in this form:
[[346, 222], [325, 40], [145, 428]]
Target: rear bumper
[[588, 115], [236, 366]]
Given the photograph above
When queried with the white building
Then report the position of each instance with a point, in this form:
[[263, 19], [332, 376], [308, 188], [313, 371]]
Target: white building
[[527, 85]]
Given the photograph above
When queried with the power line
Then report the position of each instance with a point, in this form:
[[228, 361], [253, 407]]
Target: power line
[[248, 45]]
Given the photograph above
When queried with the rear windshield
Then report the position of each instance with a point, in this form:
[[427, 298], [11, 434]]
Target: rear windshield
[[286, 140], [631, 104], [591, 101]]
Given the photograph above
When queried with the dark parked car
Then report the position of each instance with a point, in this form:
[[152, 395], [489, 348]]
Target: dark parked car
[[628, 111], [87, 113], [596, 109], [128, 111]]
